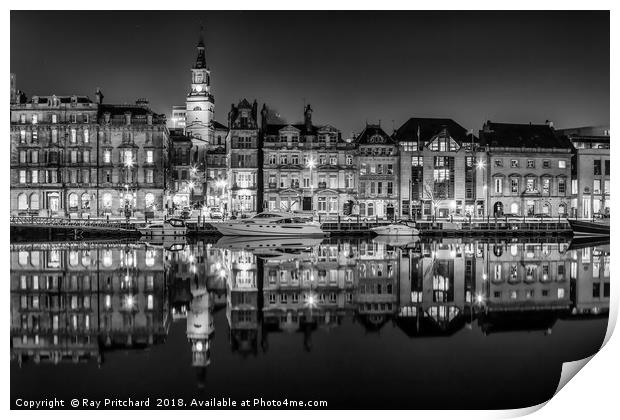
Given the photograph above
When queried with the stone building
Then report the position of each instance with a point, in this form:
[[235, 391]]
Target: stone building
[[71, 157], [132, 161], [208, 173], [307, 168], [440, 174], [528, 170], [379, 168], [591, 181], [244, 158], [54, 155]]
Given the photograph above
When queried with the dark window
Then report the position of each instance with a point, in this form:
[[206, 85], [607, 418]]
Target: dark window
[[607, 167], [597, 167]]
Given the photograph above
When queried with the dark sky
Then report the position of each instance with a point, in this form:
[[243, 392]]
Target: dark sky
[[351, 66]]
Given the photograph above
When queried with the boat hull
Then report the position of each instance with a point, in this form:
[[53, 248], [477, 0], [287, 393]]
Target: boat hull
[[584, 228], [269, 229], [391, 230]]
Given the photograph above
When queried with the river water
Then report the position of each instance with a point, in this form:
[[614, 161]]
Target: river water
[[356, 322]]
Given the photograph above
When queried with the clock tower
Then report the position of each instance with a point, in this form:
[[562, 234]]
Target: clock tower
[[200, 103]]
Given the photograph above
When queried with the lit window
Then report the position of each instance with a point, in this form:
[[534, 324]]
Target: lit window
[[35, 118], [149, 156], [561, 164], [107, 156]]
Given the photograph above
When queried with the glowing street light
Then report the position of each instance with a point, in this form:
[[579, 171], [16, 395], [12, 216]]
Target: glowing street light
[[480, 164], [191, 185], [311, 163]]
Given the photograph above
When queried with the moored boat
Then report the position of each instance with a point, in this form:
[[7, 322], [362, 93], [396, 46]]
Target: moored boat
[[271, 224], [401, 228], [589, 228], [170, 227]]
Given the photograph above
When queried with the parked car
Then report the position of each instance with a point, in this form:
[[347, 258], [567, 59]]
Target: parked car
[[215, 213]]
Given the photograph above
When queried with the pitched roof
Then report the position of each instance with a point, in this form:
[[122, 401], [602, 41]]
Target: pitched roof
[[430, 127], [371, 131], [274, 129], [218, 126], [522, 135], [139, 112]]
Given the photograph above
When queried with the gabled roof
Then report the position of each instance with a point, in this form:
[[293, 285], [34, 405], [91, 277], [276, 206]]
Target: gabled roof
[[370, 132], [430, 127], [522, 135]]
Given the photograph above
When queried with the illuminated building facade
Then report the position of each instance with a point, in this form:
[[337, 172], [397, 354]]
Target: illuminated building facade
[[528, 170], [307, 168], [442, 170], [379, 169], [54, 156], [244, 158], [591, 181]]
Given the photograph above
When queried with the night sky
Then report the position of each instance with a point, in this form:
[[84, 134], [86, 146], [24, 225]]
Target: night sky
[[352, 67]]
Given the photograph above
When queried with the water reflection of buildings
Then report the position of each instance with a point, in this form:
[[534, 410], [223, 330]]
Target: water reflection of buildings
[[77, 301]]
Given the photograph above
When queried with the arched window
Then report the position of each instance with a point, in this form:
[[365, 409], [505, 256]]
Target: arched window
[[362, 209], [22, 202], [107, 200], [34, 201], [85, 201], [149, 199], [514, 208], [498, 209], [546, 209], [197, 108], [73, 201]]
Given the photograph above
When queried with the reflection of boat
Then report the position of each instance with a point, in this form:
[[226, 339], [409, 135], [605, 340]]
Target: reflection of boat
[[401, 228], [170, 227], [587, 228], [580, 242], [171, 244], [271, 224], [269, 246], [399, 241]]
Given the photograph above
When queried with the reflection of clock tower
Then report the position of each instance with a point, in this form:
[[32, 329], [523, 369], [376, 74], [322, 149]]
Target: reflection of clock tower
[[200, 103]]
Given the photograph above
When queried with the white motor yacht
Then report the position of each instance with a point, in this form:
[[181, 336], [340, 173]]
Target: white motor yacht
[[271, 224], [170, 227], [401, 228]]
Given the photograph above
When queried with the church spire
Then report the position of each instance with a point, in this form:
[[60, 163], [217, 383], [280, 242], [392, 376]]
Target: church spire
[[201, 61]]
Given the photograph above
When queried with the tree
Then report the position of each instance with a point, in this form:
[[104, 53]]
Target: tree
[[435, 193]]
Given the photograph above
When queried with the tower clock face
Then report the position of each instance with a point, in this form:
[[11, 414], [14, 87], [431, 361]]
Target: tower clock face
[[198, 88]]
